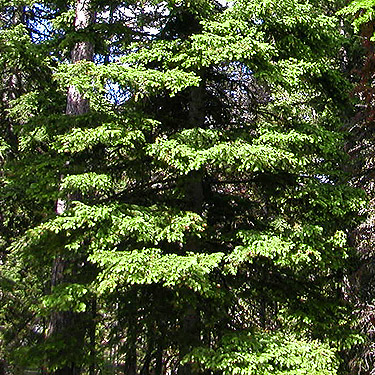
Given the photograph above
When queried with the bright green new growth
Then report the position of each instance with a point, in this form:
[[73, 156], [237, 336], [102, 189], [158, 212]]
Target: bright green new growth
[[362, 10], [267, 353]]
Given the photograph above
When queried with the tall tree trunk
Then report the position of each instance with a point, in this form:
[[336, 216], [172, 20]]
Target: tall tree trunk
[[194, 199], [361, 149], [69, 325], [92, 336], [130, 367], [11, 87], [13, 83], [2, 367], [158, 360], [84, 50]]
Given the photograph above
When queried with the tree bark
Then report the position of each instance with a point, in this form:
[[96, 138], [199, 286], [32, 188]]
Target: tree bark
[[84, 50], [13, 84], [2, 367], [92, 336], [360, 289], [158, 360], [69, 325], [130, 367], [194, 199], [12, 88]]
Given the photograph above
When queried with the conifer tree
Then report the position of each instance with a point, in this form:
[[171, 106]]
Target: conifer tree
[[67, 325], [206, 207], [25, 71], [361, 148]]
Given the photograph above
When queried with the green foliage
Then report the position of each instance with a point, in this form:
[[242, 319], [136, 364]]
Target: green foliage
[[237, 155], [91, 79], [149, 266], [78, 140], [211, 189], [86, 183], [267, 353], [361, 12], [65, 298]]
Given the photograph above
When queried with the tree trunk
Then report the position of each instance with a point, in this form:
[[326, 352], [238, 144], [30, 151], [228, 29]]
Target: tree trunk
[[130, 367], [2, 367], [12, 89], [158, 360], [361, 286], [194, 199], [92, 330], [13, 84], [84, 50], [70, 325]]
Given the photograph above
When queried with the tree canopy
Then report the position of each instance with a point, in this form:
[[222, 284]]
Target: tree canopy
[[176, 191]]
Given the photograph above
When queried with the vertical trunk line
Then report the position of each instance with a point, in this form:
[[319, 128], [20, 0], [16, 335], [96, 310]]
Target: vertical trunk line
[[84, 50], [92, 336], [194, 199], [13, 82], [69, 322]]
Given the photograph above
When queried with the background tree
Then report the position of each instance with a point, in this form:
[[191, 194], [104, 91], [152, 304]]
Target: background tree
[[361, 150], [26, 72]]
